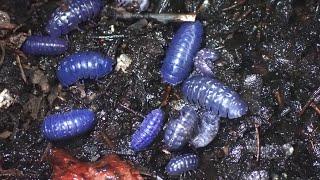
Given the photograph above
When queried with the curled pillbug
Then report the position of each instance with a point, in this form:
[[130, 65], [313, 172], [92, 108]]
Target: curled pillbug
[[148, 130], [214, 96], [83, 65], [182, 163], [207, 131], [178, 62], [67, 125], [203, 61], [44, 45], [70, 15], [180, 130], [141, 4]]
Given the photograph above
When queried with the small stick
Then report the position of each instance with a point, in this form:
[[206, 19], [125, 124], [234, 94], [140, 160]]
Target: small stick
[[23, 75], [279, 97], [109, 37], [131, 110], [7, 26], [106, 139], [3, 53], [45, 152], [258, 141], [244, 15], [164, 18], [313, 96], [234, 6], [166, 96], [315, 107]]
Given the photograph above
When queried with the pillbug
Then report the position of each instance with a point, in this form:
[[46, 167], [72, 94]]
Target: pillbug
[[83, 65], [141, 4], [69, 16], [182, 163], [178, 62], [44, 45], [67, 125], [203, 61], [207, 131], [214, 96], [180, 130], [148, 130]]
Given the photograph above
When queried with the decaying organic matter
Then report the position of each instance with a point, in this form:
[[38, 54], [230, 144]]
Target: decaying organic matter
[[109, 167]]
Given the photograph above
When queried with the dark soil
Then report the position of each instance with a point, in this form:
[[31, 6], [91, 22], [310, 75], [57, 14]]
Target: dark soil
[[268, 49]]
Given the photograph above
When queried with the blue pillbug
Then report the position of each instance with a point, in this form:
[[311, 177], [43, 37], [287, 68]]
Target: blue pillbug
[[142, 4], [207, 131], [182, 163], [44, 45], [180, 130], [178, 62], [65, 19], [148, 130], [83, 65], [67, 125], [203, 61], [214, 96]]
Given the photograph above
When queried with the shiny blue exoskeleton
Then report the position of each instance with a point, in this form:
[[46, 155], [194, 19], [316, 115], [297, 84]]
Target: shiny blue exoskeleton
[[180, 130], [207, 130], [214, 96], [203, 61], [44, 45], [182, 163], [71, 14], [178, 62], [83, 65], [148, 130], [67, 125]]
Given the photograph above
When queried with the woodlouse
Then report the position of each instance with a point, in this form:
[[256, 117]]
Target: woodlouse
[[203, 61], [214, 96], [67, 125], [178, 62], [180, 130], [142, 4], [182, 163], [44, 45], [83, 65], [207, 130], [148, 130], [69, 16]]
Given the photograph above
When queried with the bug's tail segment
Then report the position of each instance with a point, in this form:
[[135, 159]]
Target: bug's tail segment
[[237, 109]]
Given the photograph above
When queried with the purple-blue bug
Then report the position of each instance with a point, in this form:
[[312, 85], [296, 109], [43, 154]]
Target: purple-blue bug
[[148, 130], [182, 163], [83, 65], [180, 130], [203, 61], [142, 4], [67, 125], [178, 62], [214, 96], [207, 130], [44, 45], [66, 19]]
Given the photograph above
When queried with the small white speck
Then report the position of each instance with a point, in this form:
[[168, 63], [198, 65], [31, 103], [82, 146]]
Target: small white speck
[[123, 62]]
